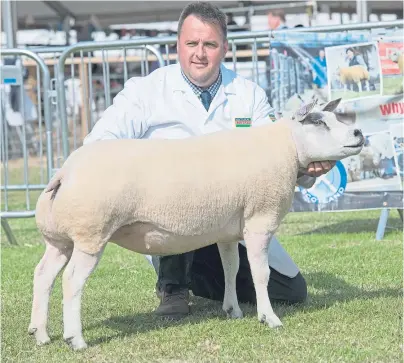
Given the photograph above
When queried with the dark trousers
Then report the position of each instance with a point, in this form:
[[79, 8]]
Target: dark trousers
[[202, 272], [174, 270]]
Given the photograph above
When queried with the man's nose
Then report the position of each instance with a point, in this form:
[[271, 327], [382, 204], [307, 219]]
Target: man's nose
[[200, 51]]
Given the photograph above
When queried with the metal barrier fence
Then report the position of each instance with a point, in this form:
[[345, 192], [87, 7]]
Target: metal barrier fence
[[19, 121], [82, 80], [84, 72]]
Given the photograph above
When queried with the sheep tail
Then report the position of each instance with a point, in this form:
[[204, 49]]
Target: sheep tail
[[55, 183]]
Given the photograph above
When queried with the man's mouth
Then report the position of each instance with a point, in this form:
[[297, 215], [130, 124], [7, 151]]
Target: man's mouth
[[199, 64]]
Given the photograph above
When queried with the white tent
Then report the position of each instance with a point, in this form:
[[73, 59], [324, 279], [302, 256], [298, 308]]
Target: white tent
[[115, 12], [47, 14], [107, 12]]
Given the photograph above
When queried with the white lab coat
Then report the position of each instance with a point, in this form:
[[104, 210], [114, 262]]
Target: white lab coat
[[163, 105]]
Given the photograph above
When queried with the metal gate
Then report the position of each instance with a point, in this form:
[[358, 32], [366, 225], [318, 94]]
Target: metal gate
[[27, 158]]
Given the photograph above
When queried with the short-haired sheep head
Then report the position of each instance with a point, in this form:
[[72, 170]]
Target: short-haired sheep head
[[326, 134]]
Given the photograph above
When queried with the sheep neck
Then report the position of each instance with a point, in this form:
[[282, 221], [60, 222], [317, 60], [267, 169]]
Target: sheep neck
[[303, 155]]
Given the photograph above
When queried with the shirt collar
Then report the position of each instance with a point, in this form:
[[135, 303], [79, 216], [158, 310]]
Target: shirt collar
[[211, 89]]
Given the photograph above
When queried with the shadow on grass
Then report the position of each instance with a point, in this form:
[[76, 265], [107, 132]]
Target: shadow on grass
[[335, 290], [356, 226]]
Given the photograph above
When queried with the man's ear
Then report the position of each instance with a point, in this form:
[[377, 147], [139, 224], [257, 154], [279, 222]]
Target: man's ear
[[332, 105], [225, 48]]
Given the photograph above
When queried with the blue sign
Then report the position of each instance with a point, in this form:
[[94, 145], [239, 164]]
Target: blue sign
[[9, 80], [328, 187]]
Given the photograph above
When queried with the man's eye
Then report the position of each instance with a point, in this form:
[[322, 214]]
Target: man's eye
[[192, 44], [211, 45]]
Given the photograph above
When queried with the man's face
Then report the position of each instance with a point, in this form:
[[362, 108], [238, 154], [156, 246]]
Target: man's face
[[201, 48], [350, 54], [322, 53], [273, 21]]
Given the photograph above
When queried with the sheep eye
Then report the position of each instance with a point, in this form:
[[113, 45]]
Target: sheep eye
[[319, 122]]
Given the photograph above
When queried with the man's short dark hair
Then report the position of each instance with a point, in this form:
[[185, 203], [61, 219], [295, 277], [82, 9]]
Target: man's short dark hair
[[278, 13], [206, 12]]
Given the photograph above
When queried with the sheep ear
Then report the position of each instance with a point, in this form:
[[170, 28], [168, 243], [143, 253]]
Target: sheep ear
[[347, 117], [332, 105], [303, 111]]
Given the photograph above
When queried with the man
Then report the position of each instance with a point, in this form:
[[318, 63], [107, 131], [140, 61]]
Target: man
[[320, 69], [197, 96], [356, 59], [277, 20]]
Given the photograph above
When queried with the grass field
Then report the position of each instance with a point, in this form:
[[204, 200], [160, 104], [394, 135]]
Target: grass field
[[353, 314], [392, 85], [348, 95]]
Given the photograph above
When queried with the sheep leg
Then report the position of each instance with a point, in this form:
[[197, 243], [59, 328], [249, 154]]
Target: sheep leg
[[231, 262], [78, 270], [257, 252], [359, 86], [52, 262]]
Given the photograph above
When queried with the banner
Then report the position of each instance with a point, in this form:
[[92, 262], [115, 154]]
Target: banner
[[365, 69]]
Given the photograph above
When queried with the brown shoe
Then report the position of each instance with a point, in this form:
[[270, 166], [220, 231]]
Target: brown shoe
[[173, 304]]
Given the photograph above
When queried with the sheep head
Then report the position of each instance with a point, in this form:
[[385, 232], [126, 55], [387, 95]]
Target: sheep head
[[394, 55], [321, 133]]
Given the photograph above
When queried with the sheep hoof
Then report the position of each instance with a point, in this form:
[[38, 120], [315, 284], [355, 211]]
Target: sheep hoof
[[76, 343], [234, 313], [43, 340], [41, 337], [271, 320]]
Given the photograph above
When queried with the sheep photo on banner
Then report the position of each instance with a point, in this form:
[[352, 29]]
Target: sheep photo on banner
[[365, 70]]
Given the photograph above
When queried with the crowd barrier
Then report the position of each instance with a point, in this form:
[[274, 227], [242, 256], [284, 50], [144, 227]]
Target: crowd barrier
[[80, 81], [16, 124]]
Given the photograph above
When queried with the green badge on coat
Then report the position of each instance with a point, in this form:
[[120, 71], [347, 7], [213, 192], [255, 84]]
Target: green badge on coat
[[242, 121]]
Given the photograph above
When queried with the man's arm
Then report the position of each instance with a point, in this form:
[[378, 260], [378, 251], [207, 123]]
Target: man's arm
[[126, 118], [265, 113]]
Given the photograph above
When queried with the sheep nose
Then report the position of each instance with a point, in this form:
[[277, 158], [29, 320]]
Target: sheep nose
[[357, 132]]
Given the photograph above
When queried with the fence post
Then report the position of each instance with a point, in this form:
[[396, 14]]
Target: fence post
[[9, 233]]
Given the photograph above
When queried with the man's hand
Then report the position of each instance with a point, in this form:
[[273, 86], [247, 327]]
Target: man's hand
[[320, 167]]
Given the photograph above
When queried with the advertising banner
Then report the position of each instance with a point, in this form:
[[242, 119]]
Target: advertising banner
[[365, 70]]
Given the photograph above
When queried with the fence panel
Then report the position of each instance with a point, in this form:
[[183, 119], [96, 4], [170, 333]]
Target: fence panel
[[89, 75], [25, 134]]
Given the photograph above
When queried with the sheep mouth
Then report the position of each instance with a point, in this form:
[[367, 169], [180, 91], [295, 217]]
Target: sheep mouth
[[360, 144]]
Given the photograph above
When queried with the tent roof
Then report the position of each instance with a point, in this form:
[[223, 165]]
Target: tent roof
[[107, 12], [121, 12]]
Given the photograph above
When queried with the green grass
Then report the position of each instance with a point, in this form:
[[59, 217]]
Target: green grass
[[353, 314], [17, 200], [351, 94], [392, 85]]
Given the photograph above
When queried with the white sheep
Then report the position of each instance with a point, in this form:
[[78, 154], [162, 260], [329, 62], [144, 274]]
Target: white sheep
[[397, 56], [186, 194], [370, 159], [355, 74]]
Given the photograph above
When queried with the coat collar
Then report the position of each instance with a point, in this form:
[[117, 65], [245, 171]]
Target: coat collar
[[179, 84]]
